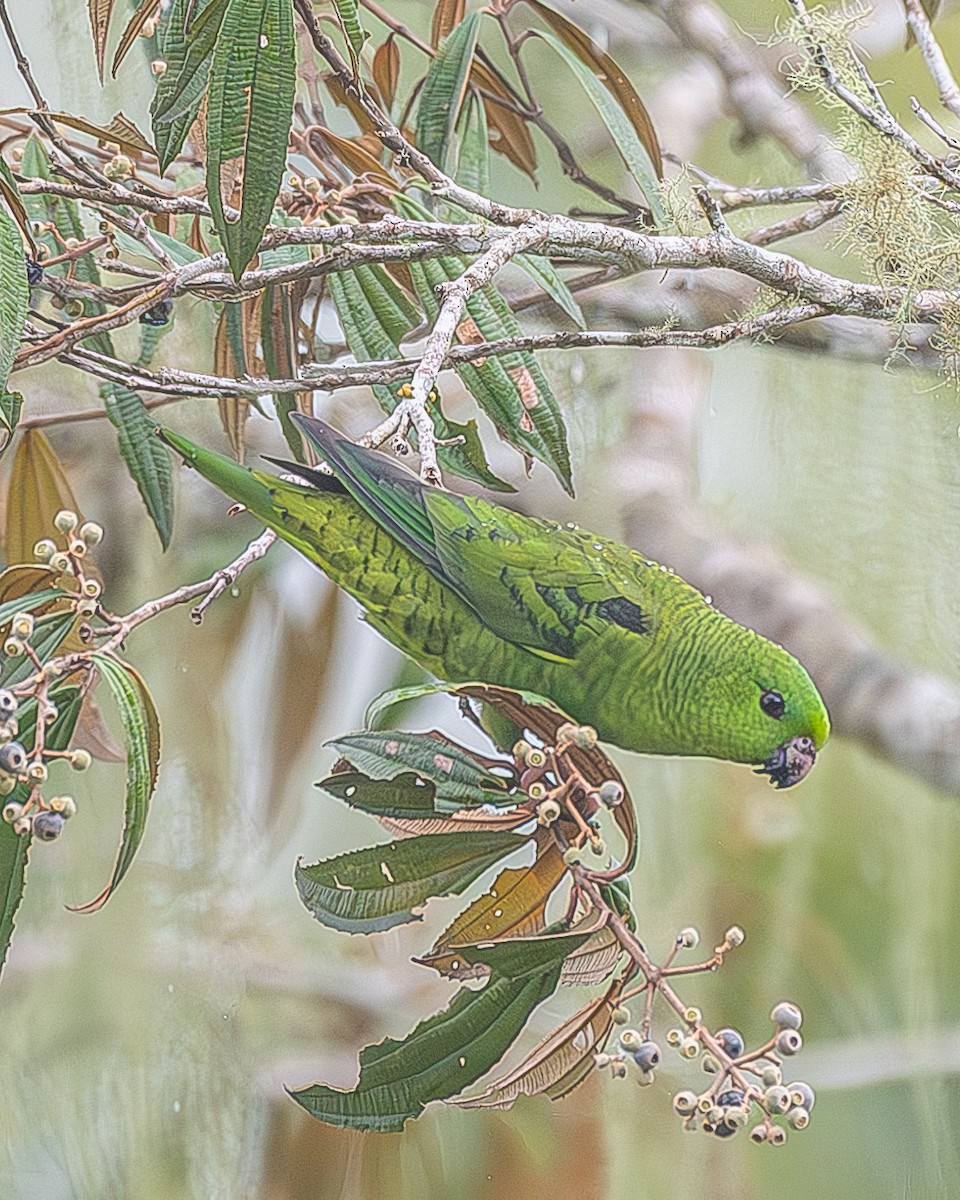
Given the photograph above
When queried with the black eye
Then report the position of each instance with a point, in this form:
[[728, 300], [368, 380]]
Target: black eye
[[772, 704]]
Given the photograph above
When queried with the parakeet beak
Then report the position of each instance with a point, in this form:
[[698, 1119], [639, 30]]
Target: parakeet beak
[[789, 763]]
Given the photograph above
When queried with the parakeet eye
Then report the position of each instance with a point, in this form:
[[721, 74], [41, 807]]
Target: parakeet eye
[[772, 704]]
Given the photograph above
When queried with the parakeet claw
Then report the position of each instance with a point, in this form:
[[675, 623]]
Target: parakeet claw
[[789, 763]]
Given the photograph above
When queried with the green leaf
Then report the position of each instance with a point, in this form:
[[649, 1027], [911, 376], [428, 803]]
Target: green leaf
[[13, 871], [473, 160], [249, 112], [145, 456], [441, 96], [10, 405], [628, 144], [458, 777], [366, 891], [142, 730], [187, 53], [180, 252], [50, 632], [14, 294], [515, 956], [544, 273], [11, 194], [443, 1055], [375, 316], [349, 17]]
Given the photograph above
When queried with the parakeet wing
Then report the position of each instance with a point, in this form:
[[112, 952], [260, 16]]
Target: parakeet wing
[[531, 582]]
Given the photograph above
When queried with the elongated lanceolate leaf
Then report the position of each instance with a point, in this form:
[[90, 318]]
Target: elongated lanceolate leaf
[[144, 455], [444, 1054], [457, 776], [631, 149], [348, 14], [444, 87], [11, 197], [145, 10], [369, 890], [559, 1062], [186, 50], [473, 158], [375, 316], [13, 871], [142, 730], [544, 273], [249, 111], [14, 294]]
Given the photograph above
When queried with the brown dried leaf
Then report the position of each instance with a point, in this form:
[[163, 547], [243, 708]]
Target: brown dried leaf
[[559, 1062], [145, 11], [514, 907], [345, 100], [99, 12], [609, 73], [446, 15], [593, 961], [234, 410], [353, 155], [386, 70], [121, 129], [514, 139], [467, 820], [37, 491], [93, 735]]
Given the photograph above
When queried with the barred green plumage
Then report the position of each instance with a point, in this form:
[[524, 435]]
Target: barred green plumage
[[473, 591]]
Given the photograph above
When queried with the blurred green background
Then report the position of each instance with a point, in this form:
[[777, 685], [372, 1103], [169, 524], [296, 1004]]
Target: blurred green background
[[147, 1046]]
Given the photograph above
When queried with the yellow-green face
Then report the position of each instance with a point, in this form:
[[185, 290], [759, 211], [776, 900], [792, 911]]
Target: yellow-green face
[[770, 713]]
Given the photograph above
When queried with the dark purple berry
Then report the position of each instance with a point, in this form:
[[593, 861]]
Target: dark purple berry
[[34, 272], [723, 1130], [159, 314], [730, 1041], [730, 1099], [47, 826], [13, 758]]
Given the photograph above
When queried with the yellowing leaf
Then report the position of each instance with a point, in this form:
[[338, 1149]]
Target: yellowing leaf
[[37, 491], [99, 12]]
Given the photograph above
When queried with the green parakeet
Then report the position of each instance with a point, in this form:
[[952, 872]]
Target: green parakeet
[[472, 591]]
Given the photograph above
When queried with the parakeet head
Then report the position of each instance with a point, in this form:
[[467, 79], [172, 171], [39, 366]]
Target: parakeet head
[[758, 705]]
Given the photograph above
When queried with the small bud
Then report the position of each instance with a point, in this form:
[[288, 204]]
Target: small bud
[[80, 759], [91, 532], [61, 563], [758, 1134], [37, 772], [521, 749], [548, 811], [572, 856], [731, 1042], [802, 1095], [704, 1104], [585, 738], [65, 805], [77, 548], [598, 847], [57, 303], [66, 520], [771, 1076], [714, 1114], [8, 704], [777, 1136], [798, 1118], [646, 1078], [7, 784], [13, 758], [566, 733], [618, 1070], [786, 1015], [74, 308], [44, 550], [620, 1015], [735, 1118], [13, 647], [22, 825], [601, 1060], [47, 826], [21, 625], [12, 811], [148, 28], [689, 1047], [537, 790], [91, 588], [685, 1103], [734, 936], [674, 1037], [776, 1100], [788, 1042], [692, 1015], [688, 938], [87, 608], [709, 1064], [535, 757], [647, 1055], [610, 793], [630, 1039], [158, 67]]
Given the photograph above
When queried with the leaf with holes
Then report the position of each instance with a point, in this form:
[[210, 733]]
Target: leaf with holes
[[366, 891], [249, 112], [513, 907], [142, 731], [444, 88]]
